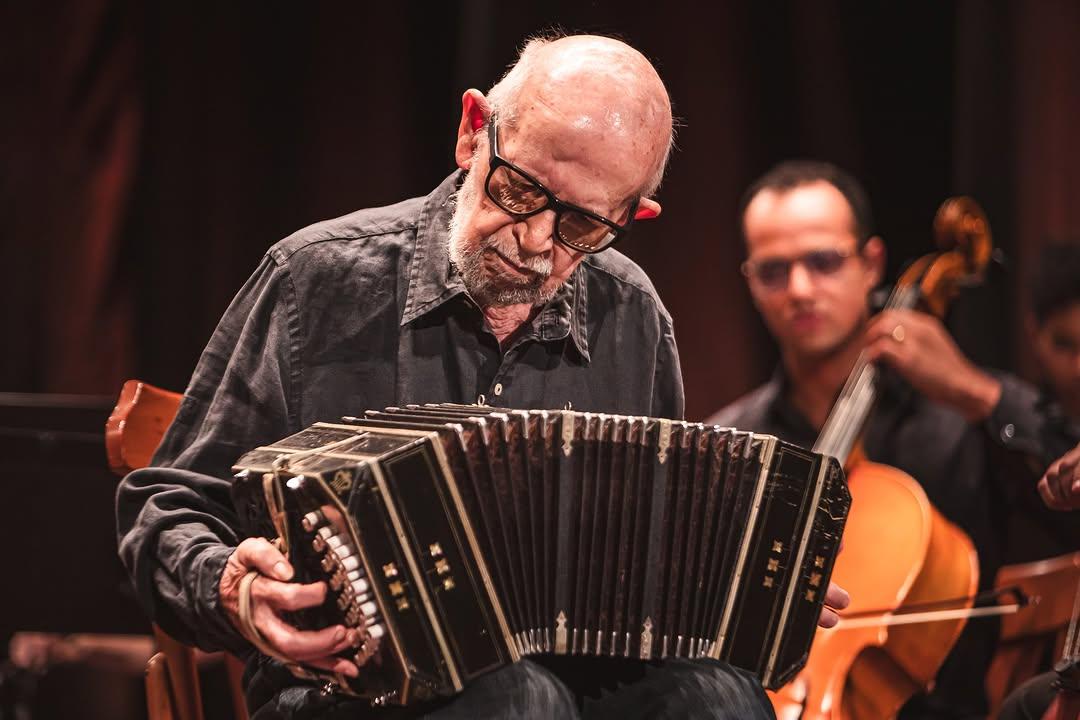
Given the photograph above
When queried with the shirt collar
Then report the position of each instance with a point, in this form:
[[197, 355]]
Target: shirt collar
[[433, 280], [781, 409]]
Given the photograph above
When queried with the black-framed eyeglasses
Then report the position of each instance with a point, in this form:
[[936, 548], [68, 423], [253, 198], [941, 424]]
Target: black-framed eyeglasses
[[519, 194], [774, 273]]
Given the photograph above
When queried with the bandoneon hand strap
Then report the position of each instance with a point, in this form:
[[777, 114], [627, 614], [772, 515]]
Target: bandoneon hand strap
[[247, 620]]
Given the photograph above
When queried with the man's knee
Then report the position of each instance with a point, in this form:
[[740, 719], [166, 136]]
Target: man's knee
[[1031, 700], [682, 689], [714, 689], [519, 690]]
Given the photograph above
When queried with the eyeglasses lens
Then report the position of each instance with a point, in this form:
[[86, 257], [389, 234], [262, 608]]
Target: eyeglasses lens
[[823, 263], [773, 273], [517, 195], [583, 232], [513, 192]]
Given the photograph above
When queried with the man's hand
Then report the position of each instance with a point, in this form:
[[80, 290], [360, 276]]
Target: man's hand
[[920, 349], [1060, 486], [836, 598], [270, 595]]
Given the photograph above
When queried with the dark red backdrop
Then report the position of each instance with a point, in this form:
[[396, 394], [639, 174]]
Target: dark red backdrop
[[150, 152]]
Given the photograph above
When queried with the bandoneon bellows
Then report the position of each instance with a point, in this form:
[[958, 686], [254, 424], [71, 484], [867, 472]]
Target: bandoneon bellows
[[457, 539]]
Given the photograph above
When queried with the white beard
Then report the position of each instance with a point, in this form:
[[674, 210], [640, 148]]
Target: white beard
[[468, 257]]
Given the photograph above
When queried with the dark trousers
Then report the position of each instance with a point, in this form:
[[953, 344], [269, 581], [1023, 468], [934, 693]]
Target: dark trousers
[[558, 688], [1031, 700]]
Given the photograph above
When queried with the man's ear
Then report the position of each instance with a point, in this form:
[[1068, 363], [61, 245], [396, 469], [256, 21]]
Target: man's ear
[[475, 110], [873, 255], [647, 209]]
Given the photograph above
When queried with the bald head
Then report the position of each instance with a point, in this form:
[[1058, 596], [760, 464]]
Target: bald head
[[600, 90], [585, 124]]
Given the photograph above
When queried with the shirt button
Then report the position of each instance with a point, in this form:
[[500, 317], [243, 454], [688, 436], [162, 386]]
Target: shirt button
[[1008, 432], [497, 389]]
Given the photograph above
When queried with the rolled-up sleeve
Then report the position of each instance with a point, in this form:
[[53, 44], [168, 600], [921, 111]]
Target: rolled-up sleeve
[[175, 520]]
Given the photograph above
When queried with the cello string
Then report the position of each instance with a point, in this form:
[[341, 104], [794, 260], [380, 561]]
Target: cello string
[[859, 392], [1072, 642], [855, 399]]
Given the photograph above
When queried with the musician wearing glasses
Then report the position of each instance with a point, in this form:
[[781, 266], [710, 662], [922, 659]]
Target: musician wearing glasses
[[500, 285], [812, 262]]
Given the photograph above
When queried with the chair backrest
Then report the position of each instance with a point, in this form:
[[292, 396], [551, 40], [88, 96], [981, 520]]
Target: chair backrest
[[159, 700], [137, 424], [182, 689], [1037, 631], [132, 433]]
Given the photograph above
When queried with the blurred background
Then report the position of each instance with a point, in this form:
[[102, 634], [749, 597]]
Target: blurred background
[[151, 152]]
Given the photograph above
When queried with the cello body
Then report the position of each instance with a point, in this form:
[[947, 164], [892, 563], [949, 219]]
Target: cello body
[[1066, 704], [864, 673]]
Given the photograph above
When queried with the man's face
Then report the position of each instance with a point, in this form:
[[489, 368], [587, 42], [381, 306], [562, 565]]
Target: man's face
[[1057, 346], [821, 301], [508, 261]]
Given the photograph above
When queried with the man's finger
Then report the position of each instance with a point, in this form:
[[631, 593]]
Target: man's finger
[[883, 350], [1072, 496], [1060, 486], [259, 554], [1048, 492], [1060, 491], [828, 618], [1069, 462], [335, 664], [837, 597], [300, 645], [288, 596], [879, 326], [1044, 492]]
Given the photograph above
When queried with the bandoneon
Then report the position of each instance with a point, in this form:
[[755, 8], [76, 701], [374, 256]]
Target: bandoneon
[[457, 539]]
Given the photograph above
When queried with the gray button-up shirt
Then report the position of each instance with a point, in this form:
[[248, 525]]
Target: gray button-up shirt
[[359, 313]]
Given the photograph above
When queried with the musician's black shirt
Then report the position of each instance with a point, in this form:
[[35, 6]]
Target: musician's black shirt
[[364, 312], [975, 474]]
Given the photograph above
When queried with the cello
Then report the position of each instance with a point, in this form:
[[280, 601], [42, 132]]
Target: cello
[[869, 668], [1066, 704]]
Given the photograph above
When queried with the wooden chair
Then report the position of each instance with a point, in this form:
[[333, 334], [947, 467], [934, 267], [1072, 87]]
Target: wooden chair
[[1035, 633], [132, 434]]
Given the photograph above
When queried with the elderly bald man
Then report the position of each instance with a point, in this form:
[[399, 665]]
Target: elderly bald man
[[501, 283]]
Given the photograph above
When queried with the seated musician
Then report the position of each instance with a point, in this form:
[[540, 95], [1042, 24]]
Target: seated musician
[[1060, 489], [1047, 421], [812, 262], [1054, 322], [492, 286], [1054, 326]]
